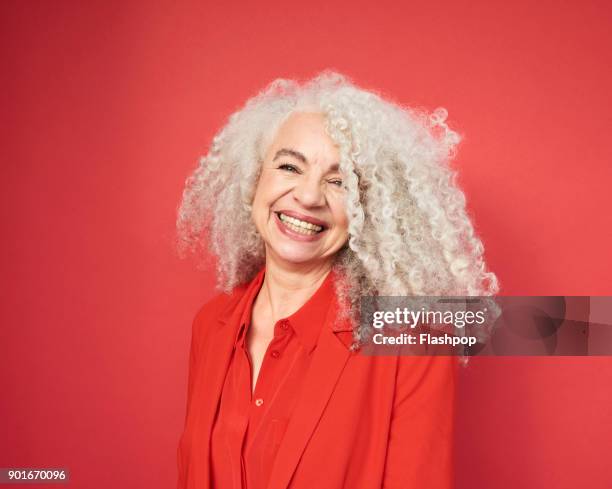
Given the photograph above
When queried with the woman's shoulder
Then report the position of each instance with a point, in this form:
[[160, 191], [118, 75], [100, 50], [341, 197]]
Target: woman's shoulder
[[216, 308]]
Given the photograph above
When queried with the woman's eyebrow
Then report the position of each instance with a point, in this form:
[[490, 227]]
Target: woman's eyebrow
[[299, 156], [290, 152]]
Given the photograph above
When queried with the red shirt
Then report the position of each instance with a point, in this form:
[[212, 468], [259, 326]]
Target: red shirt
[[249, 427]]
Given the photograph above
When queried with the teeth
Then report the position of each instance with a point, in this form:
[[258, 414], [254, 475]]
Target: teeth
[[299, 226]]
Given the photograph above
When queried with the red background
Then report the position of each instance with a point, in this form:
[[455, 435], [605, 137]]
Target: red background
[[106, 107]]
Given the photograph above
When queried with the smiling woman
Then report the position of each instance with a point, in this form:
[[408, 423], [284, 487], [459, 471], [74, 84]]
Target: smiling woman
[[310, 197]]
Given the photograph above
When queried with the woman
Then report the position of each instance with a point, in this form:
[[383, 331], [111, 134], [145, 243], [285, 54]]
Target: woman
[[312, 196]]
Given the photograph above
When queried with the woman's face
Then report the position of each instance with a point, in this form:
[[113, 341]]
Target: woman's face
[[298, 206]]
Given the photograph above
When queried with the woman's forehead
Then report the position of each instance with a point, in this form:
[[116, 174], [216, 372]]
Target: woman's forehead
[[303, 137]]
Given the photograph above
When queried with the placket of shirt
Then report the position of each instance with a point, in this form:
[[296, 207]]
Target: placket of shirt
[[266, 386]]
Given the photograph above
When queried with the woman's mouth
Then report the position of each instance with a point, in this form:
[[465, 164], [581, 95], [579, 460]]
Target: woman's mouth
[[299, 226]]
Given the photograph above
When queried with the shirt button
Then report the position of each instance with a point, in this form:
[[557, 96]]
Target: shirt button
[[284, 325], [258, 402], [275, 353]]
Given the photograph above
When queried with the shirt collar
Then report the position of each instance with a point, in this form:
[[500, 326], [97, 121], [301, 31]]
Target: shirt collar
[[306, 321]]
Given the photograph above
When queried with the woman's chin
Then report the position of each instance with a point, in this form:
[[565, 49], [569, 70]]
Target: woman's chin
[[297, 257]]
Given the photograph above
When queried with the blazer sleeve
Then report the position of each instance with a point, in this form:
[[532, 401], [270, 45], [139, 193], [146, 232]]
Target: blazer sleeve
[[208, 314], [419, 451], [194, 355]]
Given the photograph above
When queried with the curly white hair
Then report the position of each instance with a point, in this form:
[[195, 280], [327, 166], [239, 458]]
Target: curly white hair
[[409, 230]]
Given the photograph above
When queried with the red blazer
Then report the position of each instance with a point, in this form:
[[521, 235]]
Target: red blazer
[[362, 422]]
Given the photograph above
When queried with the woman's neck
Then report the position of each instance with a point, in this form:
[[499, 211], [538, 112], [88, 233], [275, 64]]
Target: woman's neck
[[286, 289]]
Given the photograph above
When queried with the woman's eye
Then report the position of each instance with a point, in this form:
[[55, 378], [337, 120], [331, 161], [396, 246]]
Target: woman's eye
[[336, 182], [288, 167]]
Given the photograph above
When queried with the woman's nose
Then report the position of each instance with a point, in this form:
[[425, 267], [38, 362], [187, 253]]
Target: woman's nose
[[309, 192]]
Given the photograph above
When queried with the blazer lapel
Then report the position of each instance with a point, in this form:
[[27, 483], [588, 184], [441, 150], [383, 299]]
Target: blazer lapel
[[329, 358]]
